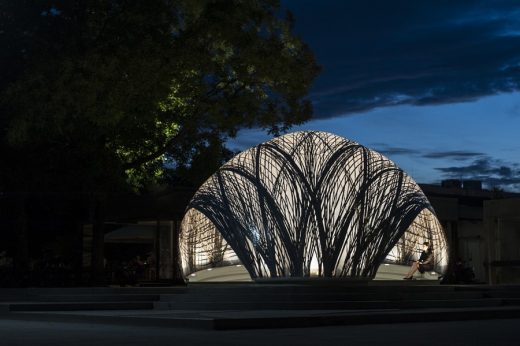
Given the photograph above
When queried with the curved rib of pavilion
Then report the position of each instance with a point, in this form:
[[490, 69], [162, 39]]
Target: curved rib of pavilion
[[309, 204]]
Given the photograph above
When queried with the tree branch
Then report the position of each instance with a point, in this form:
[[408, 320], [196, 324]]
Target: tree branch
[[160, 151]]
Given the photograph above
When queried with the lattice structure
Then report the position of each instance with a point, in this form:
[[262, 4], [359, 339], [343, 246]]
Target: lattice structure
[[204, 247], [425, 228], [306, 204]]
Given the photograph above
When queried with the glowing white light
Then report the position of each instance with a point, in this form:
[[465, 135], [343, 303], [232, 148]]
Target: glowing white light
[[255, 234], [284, 204]]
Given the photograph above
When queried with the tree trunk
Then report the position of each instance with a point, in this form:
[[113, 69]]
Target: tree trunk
[[78, 252], [177, 276], [21, 260], [98, 242]]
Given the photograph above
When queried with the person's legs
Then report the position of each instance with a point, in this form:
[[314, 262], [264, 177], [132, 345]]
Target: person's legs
[[413, 269]]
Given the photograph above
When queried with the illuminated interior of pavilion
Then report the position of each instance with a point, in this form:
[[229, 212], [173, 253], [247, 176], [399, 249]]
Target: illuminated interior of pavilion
[[308, 204]]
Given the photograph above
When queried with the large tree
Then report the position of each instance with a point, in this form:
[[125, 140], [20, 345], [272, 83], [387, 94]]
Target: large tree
[[97, 94]]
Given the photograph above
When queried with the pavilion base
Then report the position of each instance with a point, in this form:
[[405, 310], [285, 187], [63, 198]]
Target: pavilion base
[[237, 273]]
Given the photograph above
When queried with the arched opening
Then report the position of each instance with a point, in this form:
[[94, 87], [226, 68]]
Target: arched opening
[[207, 257]]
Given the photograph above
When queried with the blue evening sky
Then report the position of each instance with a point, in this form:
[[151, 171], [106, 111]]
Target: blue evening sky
[[433, 85]]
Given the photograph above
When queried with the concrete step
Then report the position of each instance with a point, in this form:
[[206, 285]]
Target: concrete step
[[297, 297], [98, 298], [330, 305], [321, 296], [82, 293], [511, 301], [289, 289], [77, 306], [484, 287], [406, 316], [107, 290], [229, 320], [501, 294], [258, 297], [219, 291]]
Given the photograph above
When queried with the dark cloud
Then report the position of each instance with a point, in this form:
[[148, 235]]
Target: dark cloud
[[382, 53], [478, 167], [393, 151], [455, 154], [490, 171], [458, 155]]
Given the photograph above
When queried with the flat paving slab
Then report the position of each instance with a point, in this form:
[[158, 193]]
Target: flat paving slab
[[262, 319], [475, 333]]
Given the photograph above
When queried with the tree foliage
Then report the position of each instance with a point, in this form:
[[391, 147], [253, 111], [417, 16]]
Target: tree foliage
[[97, 94]]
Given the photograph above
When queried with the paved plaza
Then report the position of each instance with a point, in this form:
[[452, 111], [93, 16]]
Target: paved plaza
[[484, 332], [241, 314]]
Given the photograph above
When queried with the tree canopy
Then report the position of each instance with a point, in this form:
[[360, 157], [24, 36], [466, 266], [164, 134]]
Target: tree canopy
[[104, 94]]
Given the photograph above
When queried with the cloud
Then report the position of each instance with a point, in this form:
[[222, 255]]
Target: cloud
[[457, 155], [490, 171], [393, 151], [480, 166], [460, 155], [385, 53]]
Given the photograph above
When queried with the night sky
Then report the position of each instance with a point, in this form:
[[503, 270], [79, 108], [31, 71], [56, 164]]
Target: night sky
[[433, 85]]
